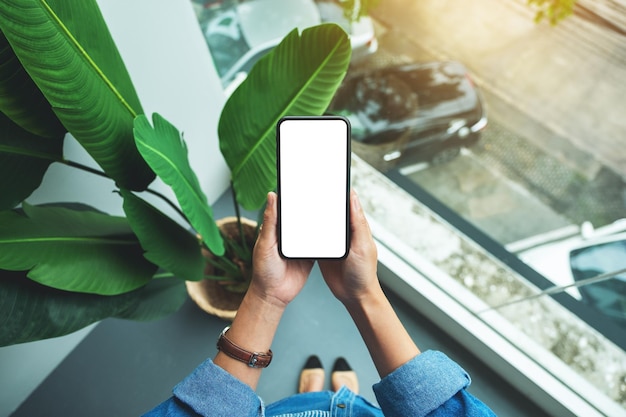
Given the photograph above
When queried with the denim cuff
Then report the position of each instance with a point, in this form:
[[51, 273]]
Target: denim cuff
[[431, 377], [211, 391]]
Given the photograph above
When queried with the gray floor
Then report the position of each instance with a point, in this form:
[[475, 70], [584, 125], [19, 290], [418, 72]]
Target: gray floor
[[124, 368]]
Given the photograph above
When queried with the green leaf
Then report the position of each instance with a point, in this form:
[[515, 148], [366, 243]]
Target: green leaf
[[21, 100], [31, 311], [166, 152], [24, 159], [73, 250], [552, 10], [299, 77], [68, 52], [167, 244]]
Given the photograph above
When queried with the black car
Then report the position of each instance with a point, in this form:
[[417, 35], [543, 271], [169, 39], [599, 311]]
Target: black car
[[402, 115]]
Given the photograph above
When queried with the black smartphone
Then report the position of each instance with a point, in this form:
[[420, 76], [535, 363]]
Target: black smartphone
[[313, 165]]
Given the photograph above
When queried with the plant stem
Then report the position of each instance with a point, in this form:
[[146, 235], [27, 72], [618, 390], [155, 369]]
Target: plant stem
[[104, 175], [238, 214], [160, 275], [170, 203], [83, 167]]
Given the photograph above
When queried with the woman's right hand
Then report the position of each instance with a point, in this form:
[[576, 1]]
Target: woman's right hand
[[354, 278]]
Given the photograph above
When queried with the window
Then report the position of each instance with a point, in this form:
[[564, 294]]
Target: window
[[497, 230]]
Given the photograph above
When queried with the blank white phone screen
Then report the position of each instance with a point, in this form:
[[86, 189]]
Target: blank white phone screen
[[313, 187]]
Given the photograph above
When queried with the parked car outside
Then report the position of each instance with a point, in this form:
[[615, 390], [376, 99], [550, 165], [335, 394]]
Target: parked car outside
[[418, 112], [573, 258], [239, 33]]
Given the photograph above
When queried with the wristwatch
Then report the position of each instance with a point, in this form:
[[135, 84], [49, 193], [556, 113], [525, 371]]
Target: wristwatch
[[252, 359]]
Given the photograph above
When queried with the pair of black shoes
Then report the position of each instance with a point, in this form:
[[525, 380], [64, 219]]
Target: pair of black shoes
[[312, 376]]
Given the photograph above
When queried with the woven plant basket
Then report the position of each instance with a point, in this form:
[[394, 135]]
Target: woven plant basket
[[211, 295]]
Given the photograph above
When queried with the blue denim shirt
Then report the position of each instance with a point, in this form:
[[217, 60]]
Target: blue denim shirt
[[430, 384]]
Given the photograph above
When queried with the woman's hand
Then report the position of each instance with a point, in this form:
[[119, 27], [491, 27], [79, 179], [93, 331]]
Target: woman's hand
[[354, 277], [275, 279], [275, 283], [355, 283]]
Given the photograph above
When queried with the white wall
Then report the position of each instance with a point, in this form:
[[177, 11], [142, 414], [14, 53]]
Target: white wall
[[169, 63]]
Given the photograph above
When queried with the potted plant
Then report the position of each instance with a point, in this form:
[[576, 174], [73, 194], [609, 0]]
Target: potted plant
[[64, 267]]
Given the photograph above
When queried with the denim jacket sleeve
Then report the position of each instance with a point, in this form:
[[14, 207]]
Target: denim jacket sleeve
[[210, 391], [431, 384]]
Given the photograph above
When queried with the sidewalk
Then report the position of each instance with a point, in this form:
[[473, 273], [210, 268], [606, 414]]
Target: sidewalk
[[569, 78]]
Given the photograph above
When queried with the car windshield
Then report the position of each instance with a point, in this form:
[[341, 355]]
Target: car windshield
[[224, 36], [238, 33], [404, 96], [608, 296]]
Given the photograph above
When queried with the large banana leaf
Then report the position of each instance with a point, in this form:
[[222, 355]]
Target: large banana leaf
[[24, 159], [21, 100], [31, 311], [73, 250], [165, 150], [299, 77], [167, 244], [67, 50]]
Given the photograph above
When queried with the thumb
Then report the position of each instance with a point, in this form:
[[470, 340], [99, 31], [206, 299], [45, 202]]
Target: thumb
[[268, 228], [358, 222]]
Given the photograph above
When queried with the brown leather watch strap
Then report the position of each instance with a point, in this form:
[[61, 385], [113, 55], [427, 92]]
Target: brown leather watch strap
[[252, 359]]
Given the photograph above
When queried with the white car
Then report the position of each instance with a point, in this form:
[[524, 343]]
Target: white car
[[571, 255], [362, 35], [239, 33]]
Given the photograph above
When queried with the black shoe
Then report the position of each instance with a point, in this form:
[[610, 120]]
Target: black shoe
[[344, 375], [313, 362], [341, 365], [311, 376]]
